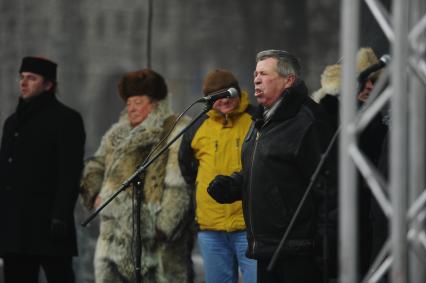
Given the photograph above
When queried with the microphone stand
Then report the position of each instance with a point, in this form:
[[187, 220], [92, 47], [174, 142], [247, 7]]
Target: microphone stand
[[312, 182], [137, 180], [138, 186]]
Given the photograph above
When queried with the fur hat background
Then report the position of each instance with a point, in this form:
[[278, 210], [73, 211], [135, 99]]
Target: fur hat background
[[219, 79], [142, 82], [330, 79], [366, 58], [40, 66], [330, 82], [331, 76]]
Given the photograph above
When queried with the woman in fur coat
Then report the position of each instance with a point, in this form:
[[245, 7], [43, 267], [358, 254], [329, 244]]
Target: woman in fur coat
[[166, 214]]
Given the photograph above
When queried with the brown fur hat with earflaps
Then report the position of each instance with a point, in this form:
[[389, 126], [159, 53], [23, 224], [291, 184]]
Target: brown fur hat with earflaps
[[142, 82], [219, 79]]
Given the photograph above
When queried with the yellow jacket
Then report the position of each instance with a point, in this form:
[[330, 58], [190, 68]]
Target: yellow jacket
[[214, 148]]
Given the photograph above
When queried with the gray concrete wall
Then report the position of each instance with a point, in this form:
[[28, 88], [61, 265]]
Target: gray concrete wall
[[95, 41]]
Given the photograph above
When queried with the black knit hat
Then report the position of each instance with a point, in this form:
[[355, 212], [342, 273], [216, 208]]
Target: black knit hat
[[40, 66], [142, 82]]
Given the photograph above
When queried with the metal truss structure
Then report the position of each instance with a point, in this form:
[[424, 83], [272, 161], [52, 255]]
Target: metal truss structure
[[403, 197]]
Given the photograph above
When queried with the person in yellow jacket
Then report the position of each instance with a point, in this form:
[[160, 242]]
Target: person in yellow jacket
[[212, 146]]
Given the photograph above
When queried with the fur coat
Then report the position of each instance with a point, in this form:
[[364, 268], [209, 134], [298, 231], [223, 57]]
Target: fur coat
[[167, 213]]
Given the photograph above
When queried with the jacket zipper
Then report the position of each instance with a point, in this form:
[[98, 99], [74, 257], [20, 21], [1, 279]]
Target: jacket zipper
[[250, 192], [216, 147], [250, 188], [238, 152]]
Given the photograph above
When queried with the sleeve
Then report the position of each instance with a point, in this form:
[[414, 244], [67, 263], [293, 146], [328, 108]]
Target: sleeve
[[176, 210], [70, 151], [6, 132], [313, 146], [237, 185], [93, 176], [3, 137], [187, 162]]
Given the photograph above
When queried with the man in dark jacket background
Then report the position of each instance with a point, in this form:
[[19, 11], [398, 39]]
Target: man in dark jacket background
[[279, 156], [41, 159]]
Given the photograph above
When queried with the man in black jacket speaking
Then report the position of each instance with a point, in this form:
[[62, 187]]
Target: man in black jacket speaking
[[279, 155], [41, 158]]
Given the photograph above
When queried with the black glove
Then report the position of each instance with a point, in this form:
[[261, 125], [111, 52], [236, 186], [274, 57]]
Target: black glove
[[223, 189], [58, 229]]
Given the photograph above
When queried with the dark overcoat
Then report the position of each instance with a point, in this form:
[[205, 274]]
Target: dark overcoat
[[41, 158], [279, 157]]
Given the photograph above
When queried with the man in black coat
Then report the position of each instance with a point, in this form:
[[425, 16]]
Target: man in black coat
[[279, 156], [41, 158]]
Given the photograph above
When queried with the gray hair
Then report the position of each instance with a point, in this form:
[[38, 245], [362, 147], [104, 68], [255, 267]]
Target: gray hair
[[287, 63]]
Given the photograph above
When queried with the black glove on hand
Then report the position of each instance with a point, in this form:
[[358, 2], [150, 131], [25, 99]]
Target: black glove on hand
[[221, 189], [58, 229]]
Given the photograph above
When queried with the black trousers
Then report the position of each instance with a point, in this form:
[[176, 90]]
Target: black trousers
[[289, 270], [20, 268]]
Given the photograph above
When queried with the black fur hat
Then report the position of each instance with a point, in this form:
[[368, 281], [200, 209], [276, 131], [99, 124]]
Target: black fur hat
[[40, 66]]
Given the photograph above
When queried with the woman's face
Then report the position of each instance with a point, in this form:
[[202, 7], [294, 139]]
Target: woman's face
[[365, 93], [138, 108]]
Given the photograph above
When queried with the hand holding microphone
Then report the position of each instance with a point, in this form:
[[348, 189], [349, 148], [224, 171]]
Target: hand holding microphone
[[383, 62]]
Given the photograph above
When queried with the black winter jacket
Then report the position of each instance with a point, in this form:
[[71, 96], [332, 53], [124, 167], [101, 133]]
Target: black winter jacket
[[279, 157], [41, 158]]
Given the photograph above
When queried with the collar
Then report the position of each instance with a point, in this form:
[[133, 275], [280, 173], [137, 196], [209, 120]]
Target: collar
[[288, 107], [267, 112], [28, 106]]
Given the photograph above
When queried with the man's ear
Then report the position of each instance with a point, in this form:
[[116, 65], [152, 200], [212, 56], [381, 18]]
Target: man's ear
[[48, 85], [290, 81]]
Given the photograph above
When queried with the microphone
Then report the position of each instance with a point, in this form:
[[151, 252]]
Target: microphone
[[383, 61], [229, 93]]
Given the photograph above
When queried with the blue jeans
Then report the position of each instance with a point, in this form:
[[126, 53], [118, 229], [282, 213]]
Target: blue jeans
[[223, 253]]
